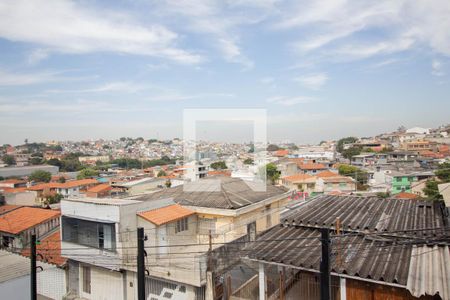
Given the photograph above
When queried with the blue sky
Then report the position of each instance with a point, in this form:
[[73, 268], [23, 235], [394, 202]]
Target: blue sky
[[322, 69]]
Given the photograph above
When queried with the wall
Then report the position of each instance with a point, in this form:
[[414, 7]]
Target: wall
[[51, 282], [23, 198], [16, 289], [105, 284]]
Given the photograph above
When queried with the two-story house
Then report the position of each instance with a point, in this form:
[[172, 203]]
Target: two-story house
[[99, 236]]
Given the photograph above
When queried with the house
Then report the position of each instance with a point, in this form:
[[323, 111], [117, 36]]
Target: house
[[15, 278], [407, 181], [363, 160], [99, 191], [19, 196], [139, 186], [340, 184], [380, 249], [301, 182], [177, 221], [73, 188], [12, 183], [17, 226], [311, 168]]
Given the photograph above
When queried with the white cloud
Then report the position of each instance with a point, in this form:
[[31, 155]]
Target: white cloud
[[69, 27], [312, 81], [352, 29], [290, 101], [17, 79], [218, 20], [176, 96], [118, 86], [437, 68]]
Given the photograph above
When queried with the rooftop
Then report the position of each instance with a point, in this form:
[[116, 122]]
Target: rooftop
[[371, 214], [50, 249], [18, 220], [217, 192], [166, 214]]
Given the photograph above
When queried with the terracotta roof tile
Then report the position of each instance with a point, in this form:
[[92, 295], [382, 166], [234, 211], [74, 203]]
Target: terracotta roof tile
[[50, 249], [166, 214], [312, 166], [14, 190], [326, 173], [7, 207], [299, 177], [405, 195], [23, 218], [281, 153], [100, 188]]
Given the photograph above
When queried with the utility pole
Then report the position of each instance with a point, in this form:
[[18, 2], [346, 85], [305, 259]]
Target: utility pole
[[140, 264], [33, 283], [325, 288]]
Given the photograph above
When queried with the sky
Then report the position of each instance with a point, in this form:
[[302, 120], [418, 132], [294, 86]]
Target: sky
[[77, 70]]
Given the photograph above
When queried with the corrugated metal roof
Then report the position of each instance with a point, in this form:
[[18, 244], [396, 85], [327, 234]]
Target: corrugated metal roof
[[16, 266], [369, 249], [13, 266], [429, 271], [219, 192], [373, 214], [369, 258]]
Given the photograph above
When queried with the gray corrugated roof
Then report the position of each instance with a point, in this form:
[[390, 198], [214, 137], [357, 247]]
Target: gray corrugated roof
[[429, 271], [371, 214], [369, 249], [13, 266], [371, 258], [217, 192]]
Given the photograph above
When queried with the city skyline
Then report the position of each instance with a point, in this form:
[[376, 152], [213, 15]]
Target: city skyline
[[105, 70]]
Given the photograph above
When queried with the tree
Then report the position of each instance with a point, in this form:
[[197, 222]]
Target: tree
[[40, 176], [36, 160], [53, 199], [349, 153], [161, 173], [431, 190], [61, 179], [383, 195], [168, 183], [9, 160], [344, 141], [443, 172], [272, 147], [87, 173], [356, 173], [272, 173], [248, 161], [219, 165], [54, 162]]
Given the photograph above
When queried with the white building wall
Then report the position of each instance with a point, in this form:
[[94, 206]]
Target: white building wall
[[51, 282], [105, 284]]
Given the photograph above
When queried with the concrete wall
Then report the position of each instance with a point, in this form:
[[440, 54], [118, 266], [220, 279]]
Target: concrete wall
[[27, 198]]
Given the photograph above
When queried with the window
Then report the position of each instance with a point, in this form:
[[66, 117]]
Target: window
[[88, 233], [86, 279], [342, 184], [268, 216], [398, 179], [182, 225]]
